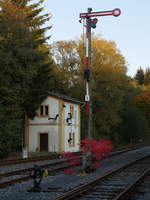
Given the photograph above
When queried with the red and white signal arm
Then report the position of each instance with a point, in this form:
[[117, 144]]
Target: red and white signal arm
[[116, 12]]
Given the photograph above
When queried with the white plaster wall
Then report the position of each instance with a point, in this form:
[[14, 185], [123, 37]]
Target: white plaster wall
[[53, 130], [71, 128], [53, 107], [33, 140], [52, 136], [75, 119], [76, 114], [66, 111], [77, 146]]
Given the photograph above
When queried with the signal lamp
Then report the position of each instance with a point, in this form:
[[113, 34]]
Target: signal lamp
[[93, 22]]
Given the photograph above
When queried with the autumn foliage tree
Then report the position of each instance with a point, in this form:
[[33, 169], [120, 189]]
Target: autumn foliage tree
[[109, 84], [108, 80], [67, 71], [133, 127], [143, 103]]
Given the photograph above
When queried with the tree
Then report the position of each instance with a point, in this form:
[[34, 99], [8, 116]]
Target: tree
[[134, 126], [109, 84], [140, 76], [143, 103], [108, 74], [67, 71], [24, 65], [147, 77]]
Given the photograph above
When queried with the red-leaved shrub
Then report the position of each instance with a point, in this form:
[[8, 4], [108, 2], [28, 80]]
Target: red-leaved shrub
[[99, 150]]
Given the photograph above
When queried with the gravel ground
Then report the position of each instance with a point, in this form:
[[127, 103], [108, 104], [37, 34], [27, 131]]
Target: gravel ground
[[142, 191], [10, 168], [66, 182], [10, 178]]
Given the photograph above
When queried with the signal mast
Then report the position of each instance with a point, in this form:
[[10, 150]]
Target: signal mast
[[91, 23]]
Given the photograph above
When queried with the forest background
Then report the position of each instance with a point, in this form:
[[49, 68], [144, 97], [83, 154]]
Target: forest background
[[30, 66]]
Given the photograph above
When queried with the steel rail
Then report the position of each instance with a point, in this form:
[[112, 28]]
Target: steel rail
[[86, 187], [32, 159], [11, 182], [131, 188], [26, 160], [16, 172], [46, 157], [26, 178]]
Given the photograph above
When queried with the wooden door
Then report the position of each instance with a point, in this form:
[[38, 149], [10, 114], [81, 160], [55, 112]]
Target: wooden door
[[44, 142]]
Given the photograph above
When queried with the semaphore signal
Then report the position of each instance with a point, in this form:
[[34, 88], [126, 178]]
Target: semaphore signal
[[115, 12], [91, 23]]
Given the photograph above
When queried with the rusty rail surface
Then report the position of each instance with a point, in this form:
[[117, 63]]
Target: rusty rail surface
[[32, 159], [25, 178], [47, 157], [125, 194], [81, 190], [26, 160]]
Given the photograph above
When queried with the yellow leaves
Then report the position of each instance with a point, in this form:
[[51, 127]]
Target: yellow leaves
[[108, 76], [106, 55], [10, 16], [143, 88], [143, 103]]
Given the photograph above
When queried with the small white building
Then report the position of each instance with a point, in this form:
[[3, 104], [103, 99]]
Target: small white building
[[56, 127]]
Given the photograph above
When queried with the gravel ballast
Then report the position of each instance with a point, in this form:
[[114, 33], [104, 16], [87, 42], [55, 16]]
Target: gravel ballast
[[66, 182], [20, 166]]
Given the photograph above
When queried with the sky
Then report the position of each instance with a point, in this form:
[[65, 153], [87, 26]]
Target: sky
[[130, 31]]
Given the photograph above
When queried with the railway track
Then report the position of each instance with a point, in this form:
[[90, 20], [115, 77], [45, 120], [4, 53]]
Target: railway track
[[15, 179], [137, 190], [32, 159], [27, 160], [21, 171], [21, 175], [50, 157], [52, 168], [115, 185]]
